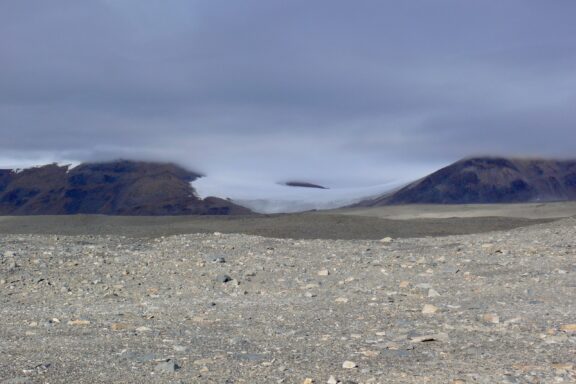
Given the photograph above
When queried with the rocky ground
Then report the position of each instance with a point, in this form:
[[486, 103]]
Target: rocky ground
[[497, 307]]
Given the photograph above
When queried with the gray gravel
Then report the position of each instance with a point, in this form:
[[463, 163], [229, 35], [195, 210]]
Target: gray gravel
[[497, 307], [310, 225]]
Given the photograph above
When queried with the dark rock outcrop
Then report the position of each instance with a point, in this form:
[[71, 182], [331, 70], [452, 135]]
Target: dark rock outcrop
[[303, 184], [113, 188], [489, 180]]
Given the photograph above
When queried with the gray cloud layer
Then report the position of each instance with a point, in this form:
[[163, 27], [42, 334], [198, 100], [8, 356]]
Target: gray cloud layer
[[331, 90]]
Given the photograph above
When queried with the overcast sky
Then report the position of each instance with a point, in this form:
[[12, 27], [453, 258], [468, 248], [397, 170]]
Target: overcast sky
[[337, 92]]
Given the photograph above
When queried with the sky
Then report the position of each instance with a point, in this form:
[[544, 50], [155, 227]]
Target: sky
[[347, 94]]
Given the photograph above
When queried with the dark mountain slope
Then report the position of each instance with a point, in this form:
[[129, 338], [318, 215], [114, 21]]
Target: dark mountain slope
[[114, 188], [489, 180]]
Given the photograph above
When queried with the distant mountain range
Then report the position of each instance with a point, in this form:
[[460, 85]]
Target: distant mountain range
[[112, 188], [143, 188], [489, 180]]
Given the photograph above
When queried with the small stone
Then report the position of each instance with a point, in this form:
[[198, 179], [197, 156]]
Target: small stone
[[332, 380], [341, 300], [143, 329], [491, 318], [119, 326], [433, 293], [404, 284], [180, 348], [223, 278], [568, 328], [323, 272], [429, 309], [349, 365], [309, 294], [79, 322], [168, 366], [202, 362], [308, 381], [386, 240], [427, 338]]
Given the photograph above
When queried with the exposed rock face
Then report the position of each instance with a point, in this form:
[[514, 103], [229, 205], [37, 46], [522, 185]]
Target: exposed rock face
[[303, 184], [114, 188], [490, 180]]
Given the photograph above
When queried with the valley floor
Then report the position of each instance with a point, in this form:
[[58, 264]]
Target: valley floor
[[124, 304]]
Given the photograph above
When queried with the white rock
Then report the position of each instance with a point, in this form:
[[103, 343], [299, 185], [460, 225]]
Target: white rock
[[429, 309], [349, 365], [332, 380]]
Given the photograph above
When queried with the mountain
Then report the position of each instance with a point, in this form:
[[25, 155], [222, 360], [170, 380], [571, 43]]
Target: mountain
[[113, 188], [489, 180]]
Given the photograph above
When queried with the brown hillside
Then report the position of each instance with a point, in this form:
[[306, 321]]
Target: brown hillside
[[113, 188], [489, 180]]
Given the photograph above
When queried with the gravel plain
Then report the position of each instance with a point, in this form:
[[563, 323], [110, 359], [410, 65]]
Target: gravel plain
[[491, 307]]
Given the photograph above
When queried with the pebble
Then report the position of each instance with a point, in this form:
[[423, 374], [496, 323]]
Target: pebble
[[308, 381], [332, 380], [119, 326], [429, 309], [568, 328], [386, 240], [168, 366], [323, 272], [433, 337], [223, 278], [79, 322], [341, 300], [433, 293], [491, 318], [349, 365]]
